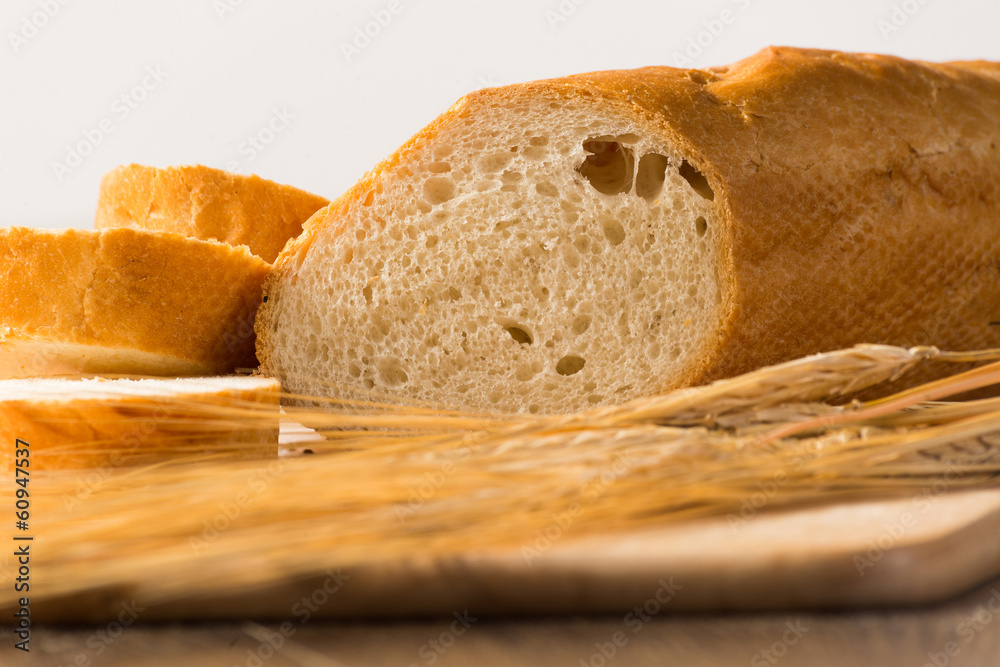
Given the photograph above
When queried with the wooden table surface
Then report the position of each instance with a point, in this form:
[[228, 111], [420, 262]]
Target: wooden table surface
[[963, 631]]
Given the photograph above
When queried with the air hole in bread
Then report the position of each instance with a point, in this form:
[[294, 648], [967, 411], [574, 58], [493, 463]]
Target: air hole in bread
[[391, 374], [505, 224], [360, 235], [696, 180], [494, 163], [535, 152], [613, 230], [348, 255], [581, 323], [570, 364], [609, 167], [650, 175], [524, 373], [510, 180], [517, 331], [439, 167], [546, 189], [367, 292], [370, 198], [354, 370], [454, 293], [700, 226], [570, 255], [538, 141], [439, 189], [444, 151], [431, 241]]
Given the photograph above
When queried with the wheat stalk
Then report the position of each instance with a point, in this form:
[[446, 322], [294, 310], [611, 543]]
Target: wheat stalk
[[485, 482]]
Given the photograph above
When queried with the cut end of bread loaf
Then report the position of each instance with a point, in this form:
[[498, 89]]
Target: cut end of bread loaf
[[205, 203], [530, 253]]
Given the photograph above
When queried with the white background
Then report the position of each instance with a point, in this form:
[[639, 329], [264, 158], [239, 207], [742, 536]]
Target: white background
[[230, 70]]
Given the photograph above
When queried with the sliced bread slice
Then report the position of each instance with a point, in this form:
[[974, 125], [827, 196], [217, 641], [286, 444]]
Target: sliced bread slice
[[124, 301], [206, 203], [578, 242], [94, 423]]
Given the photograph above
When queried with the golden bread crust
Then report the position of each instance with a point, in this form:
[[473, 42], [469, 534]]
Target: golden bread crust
[[150, 303], [205, 203]]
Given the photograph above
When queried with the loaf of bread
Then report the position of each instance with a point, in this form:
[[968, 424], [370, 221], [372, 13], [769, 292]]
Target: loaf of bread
[[94, 423], [577, 242], [124, 301], [207, 204]]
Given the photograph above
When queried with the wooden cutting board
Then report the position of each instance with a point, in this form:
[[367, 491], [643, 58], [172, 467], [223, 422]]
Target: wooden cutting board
[[903, 551]]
